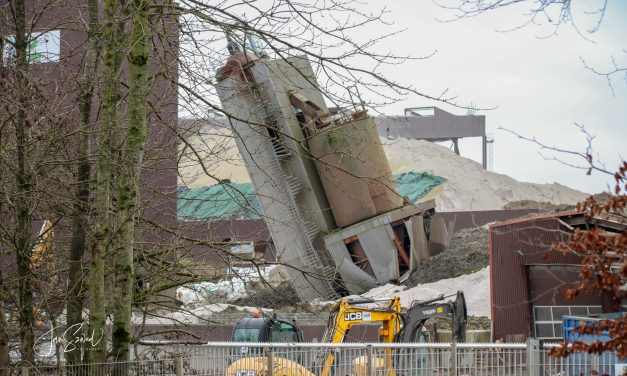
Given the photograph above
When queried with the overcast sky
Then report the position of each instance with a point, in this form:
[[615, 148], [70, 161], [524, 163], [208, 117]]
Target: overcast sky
[[539, 85]]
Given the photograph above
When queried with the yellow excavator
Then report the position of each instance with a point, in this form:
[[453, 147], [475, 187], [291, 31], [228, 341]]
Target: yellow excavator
[[346, 314], [395, 327]]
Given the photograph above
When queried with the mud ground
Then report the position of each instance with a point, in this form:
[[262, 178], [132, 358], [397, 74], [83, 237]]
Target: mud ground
[[542, 205], [466, 254], [267, 296]]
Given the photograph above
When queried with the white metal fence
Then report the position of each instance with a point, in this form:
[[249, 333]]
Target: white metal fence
[[357, 359]]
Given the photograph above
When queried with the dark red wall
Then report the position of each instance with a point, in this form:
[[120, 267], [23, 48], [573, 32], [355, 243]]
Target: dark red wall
[[514, 247]]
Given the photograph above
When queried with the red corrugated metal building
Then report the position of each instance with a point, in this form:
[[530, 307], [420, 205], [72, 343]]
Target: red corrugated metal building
[[528, 278]]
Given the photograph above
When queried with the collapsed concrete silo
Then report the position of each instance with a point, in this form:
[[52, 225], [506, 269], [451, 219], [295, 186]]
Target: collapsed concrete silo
[[323, 181]]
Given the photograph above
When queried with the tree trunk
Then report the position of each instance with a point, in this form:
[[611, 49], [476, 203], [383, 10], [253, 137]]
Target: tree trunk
[[128, 189], [112, 36], [75, 293], [23, 202], [4, 337]]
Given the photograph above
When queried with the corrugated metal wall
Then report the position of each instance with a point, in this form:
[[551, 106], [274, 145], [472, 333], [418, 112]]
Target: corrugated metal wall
[[547, 285], [512, 246]]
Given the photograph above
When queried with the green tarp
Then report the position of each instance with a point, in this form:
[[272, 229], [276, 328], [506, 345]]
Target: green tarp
[[225, 201], [238, 200], [416, 184]]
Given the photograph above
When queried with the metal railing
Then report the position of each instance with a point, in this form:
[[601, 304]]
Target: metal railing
[[579, 364], [356, 359], [162, 367]]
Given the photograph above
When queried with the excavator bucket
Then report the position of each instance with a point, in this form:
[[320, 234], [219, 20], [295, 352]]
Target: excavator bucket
[[460, 317]]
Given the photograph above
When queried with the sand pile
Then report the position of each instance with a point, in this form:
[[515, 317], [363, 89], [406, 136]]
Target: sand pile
[[208, 157], [469, 186], [476, 288]]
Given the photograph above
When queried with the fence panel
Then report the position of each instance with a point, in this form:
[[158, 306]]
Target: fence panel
[[579, 364], [354, 359], [367, 359], [163, 367]]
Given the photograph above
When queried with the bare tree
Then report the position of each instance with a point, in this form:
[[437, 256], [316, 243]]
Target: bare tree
[[109, 211], [128, 190], [23, 177], [34, 183], [80, 220], [113, 37]]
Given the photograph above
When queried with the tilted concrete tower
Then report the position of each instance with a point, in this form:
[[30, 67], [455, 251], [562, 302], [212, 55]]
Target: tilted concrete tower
[[323, 181]]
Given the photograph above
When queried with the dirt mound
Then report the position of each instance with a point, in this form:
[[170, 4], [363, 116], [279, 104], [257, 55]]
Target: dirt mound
[[265, 296], [543, 205], [474, 323], [466, 254]]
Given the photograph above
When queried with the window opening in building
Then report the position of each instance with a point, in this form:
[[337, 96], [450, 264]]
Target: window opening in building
[[547, 320]]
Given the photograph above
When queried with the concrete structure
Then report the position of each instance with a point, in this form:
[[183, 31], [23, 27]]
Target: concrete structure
[[434, 124], [296, 233], [277, 113], [418, 123]]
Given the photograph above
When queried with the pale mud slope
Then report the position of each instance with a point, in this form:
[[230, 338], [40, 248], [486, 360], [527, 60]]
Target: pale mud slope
[[207, 158], [469, 186], [476, 288]]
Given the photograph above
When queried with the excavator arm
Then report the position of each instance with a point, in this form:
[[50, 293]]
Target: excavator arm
[[346, 314], [418, 314]]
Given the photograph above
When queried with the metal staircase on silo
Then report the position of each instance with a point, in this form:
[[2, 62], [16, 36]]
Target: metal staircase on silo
[[309, 231]]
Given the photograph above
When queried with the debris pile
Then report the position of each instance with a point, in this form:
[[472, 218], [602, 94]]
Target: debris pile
[[474, 323], [466, 254], [544, 206], [231, 288], [267, 296]]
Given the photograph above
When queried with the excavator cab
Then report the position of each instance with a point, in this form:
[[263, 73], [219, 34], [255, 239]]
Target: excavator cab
[[420, 312], [262, 329]]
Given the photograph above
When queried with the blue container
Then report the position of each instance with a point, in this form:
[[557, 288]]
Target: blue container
[[569, 323], [581, 363]]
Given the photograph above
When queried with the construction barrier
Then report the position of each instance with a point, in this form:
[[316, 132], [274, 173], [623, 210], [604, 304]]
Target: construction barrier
[[358, 359]]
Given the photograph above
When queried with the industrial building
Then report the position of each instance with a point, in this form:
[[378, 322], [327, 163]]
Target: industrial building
[[528, 278], [436, 125]]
